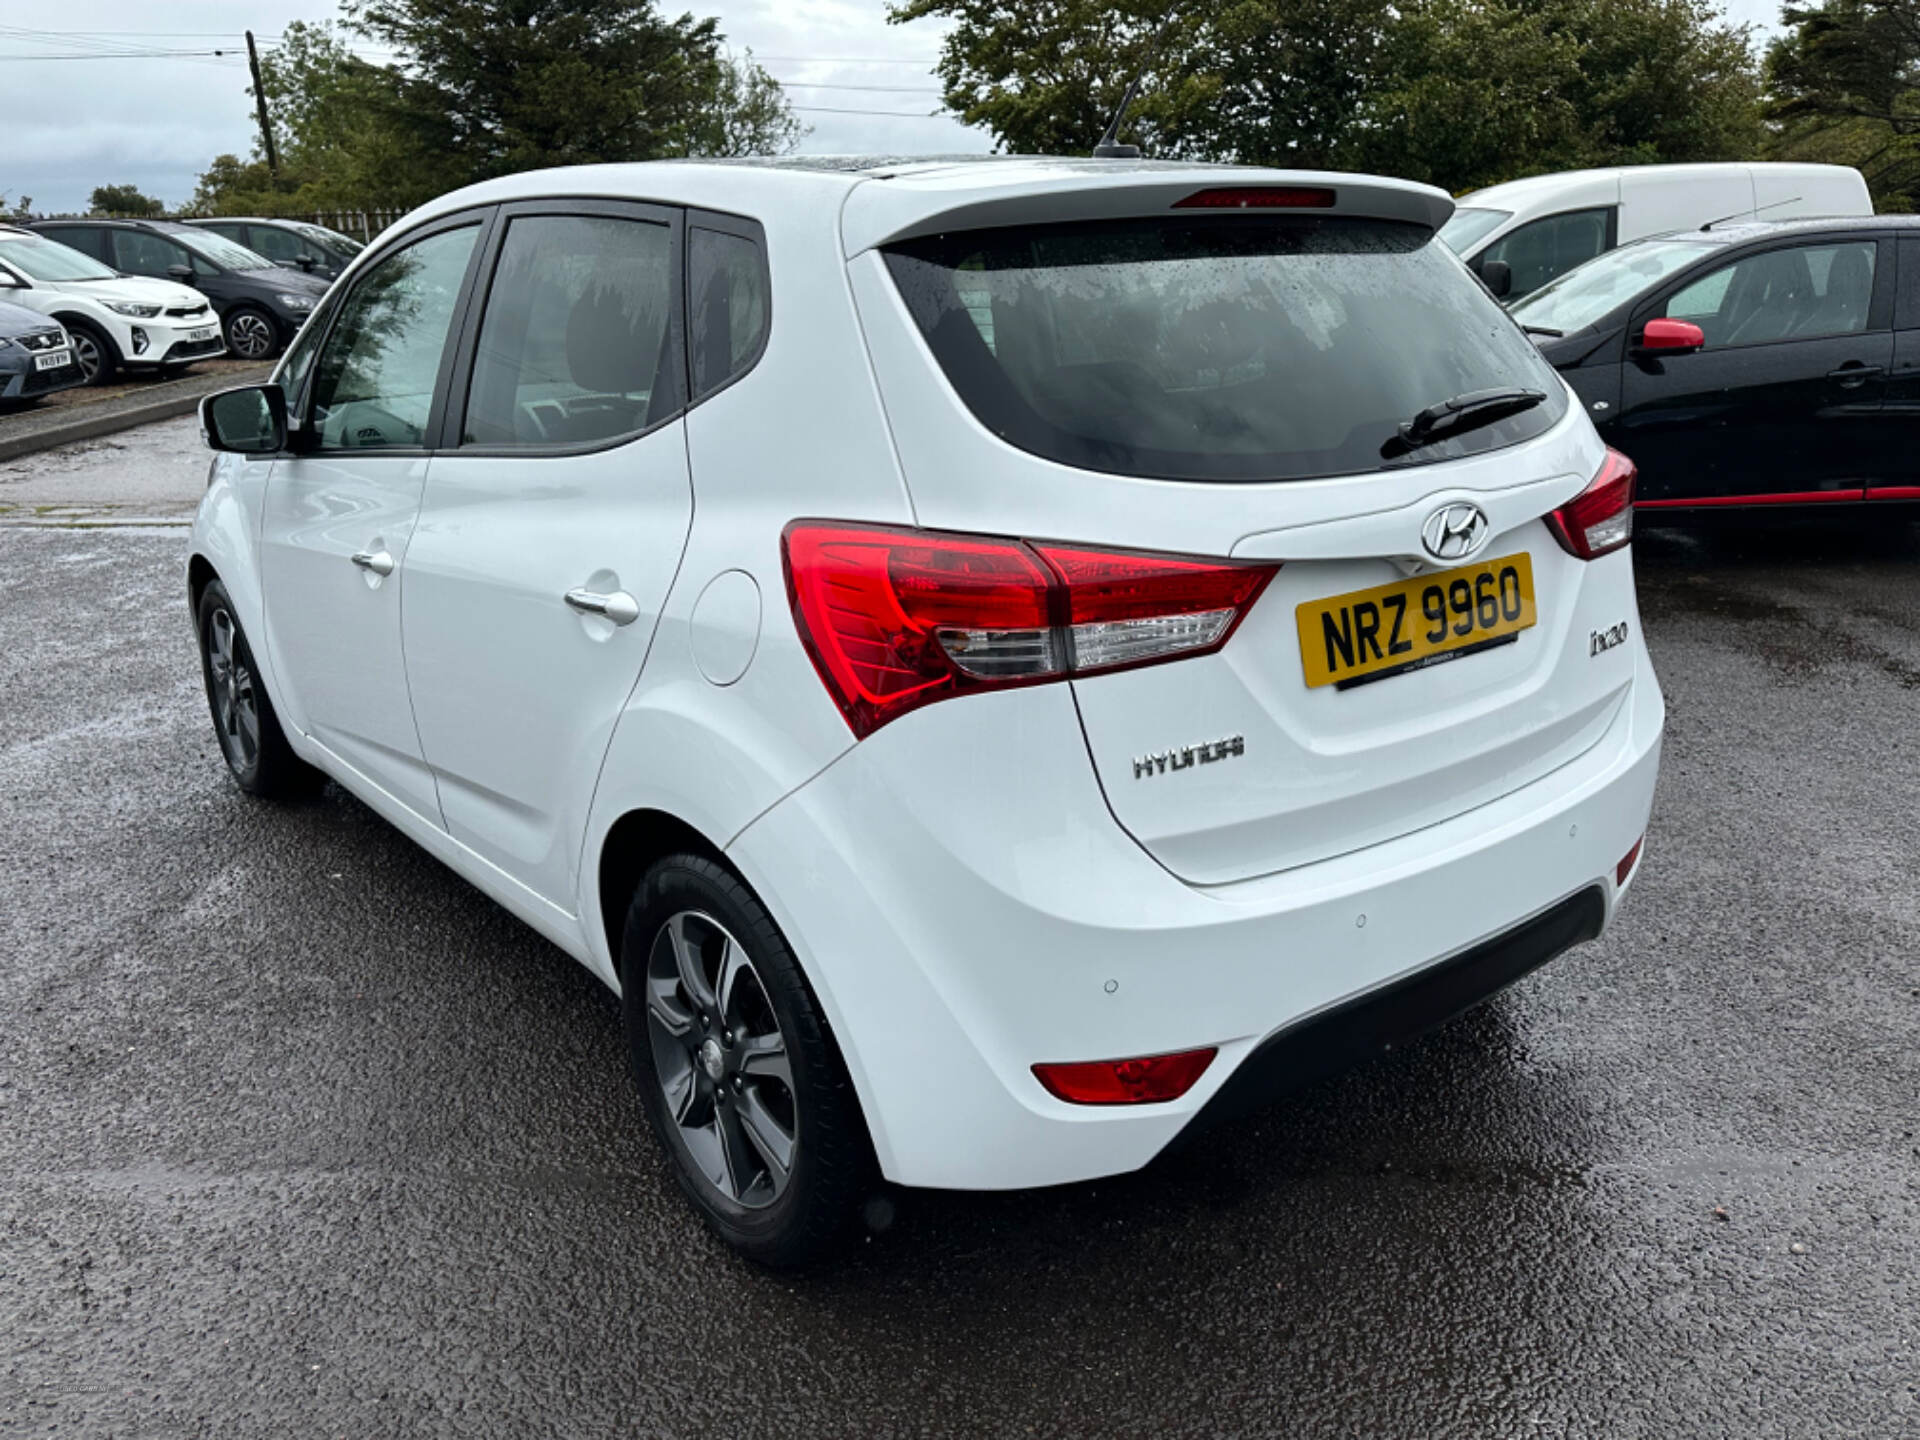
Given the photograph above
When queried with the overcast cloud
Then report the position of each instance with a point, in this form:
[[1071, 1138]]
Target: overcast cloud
[[155, 122]]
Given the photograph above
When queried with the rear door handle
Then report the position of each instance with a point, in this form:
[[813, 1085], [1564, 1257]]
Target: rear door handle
[[619, 607], [1849, 376], [378, 561]]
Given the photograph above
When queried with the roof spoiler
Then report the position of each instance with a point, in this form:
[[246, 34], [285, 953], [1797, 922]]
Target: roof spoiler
[[883, 213]]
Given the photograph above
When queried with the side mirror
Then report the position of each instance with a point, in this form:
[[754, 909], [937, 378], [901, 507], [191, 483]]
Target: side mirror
[[305, 262], [182, 273], [1497, 276], [1670, 337], [249, 421]]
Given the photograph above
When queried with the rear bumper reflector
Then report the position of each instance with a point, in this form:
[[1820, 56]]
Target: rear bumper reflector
[[1149, 1080]]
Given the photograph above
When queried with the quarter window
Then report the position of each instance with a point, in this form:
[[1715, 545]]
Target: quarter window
[[374, 380], [727, 292], [1549, 248], [576, 345], [1802, 293]]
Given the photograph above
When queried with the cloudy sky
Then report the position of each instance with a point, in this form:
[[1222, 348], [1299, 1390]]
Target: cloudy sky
[[90, 103]]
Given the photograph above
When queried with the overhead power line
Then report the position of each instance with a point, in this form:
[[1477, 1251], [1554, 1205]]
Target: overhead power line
[[895, 114]]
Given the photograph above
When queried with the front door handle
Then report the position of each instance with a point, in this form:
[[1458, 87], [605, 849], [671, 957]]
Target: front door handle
[[619, 607], [378, 561], [1854, 374]]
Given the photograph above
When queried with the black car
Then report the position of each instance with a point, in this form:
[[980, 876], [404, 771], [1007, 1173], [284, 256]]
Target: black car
[[36, 357], [1755, 364], [311, 249], [261, 306]]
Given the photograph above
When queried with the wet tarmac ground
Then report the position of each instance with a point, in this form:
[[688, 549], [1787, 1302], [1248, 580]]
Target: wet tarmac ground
[[300, 1136]]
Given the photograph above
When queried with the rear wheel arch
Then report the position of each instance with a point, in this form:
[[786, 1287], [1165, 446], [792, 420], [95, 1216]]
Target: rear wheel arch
[[632, 845]]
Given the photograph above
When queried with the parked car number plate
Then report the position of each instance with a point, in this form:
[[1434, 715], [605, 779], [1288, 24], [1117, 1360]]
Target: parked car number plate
[[195, 336], [1411, 624], [52, 359]]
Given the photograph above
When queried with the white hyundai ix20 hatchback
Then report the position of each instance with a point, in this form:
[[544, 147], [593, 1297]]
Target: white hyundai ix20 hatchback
[[999, 662]]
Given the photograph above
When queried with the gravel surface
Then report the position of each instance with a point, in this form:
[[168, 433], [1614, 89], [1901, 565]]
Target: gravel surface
[[304, 1137]]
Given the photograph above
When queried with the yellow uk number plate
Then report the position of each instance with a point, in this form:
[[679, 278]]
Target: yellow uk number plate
[[1411, 624]]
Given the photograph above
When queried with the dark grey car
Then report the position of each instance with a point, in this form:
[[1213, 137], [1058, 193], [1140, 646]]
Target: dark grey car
[[35, 356], [294, 244]]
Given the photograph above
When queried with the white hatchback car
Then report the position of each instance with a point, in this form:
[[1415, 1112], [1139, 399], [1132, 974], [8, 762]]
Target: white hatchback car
[[115, 320], [998, 662]]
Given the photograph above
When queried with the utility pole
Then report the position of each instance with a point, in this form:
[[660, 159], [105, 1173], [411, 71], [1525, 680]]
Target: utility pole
[[260, 104]]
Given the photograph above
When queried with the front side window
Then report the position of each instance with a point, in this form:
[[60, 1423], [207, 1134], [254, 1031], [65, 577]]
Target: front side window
[[221, 251], [1468, 224], [374, 379], [1549, 248], [576, 345], [140, 252], [1588, 294], [1226, 349], [1805, 293], [727, 297]]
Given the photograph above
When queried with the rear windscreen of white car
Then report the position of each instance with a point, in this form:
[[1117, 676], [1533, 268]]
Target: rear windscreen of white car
[[1223, 349]]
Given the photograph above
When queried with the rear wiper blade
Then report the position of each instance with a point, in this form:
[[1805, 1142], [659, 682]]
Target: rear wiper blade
[[1546, 330], [1458, 415]]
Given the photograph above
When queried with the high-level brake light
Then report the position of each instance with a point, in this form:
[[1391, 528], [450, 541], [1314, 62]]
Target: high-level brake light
[[1259, 197], [897, 619]]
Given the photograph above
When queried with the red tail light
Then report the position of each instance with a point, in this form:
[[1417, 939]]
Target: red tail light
[[1151, 1080], [1599, 519], [1259, 197], [896, 619]]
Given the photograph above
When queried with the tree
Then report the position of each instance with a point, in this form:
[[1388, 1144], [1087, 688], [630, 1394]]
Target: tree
[[1844, 86], [1457, 92], [745, 113], [123, 200], [488, 87], [21, 209]]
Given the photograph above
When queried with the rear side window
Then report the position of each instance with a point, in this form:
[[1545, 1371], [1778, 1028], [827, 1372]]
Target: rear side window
[[86, 239], [575, 345], [727, 299], [1227, 349]]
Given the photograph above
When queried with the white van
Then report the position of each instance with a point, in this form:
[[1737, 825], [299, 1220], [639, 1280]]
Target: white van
[[1542, 227]]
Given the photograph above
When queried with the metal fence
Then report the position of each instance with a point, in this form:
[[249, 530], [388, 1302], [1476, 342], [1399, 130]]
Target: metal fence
[[361, 224]]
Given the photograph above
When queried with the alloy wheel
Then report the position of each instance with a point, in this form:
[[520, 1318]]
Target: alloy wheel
[[250, 336], [721, 1060], [236, 707], [86, 354]]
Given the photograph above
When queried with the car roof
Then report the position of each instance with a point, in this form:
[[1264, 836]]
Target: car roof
[[1743, 232], [880, 198], [1515, 194]]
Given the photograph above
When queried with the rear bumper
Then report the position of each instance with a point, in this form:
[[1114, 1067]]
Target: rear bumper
[[1374, 1023], [966, 906]]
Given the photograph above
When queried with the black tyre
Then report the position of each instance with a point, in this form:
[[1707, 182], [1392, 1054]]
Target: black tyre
[[738, 1071], [249, 732], [251, 333], [93, 351]]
